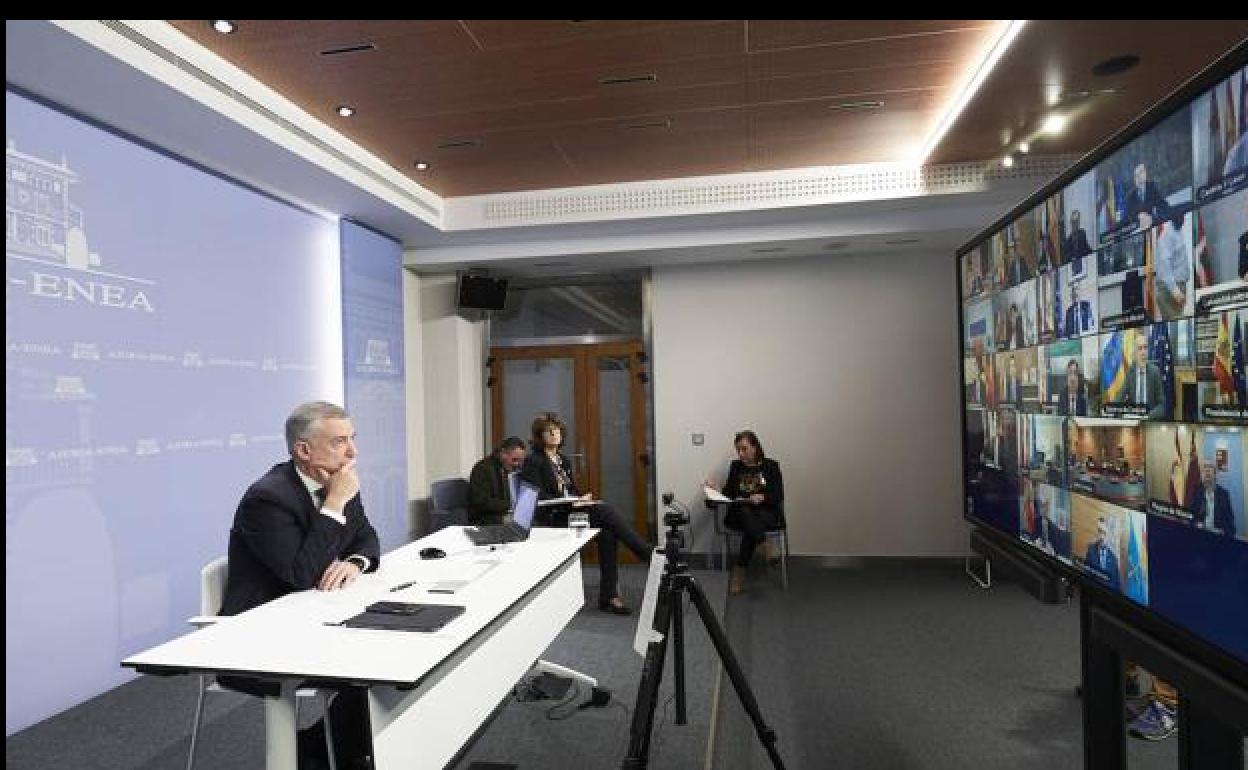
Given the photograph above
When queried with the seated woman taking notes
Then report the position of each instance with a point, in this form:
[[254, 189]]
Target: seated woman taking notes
[[756, 487], [549, 470]]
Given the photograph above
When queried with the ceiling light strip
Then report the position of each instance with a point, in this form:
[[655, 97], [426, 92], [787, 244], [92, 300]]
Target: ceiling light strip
[[985, 68]]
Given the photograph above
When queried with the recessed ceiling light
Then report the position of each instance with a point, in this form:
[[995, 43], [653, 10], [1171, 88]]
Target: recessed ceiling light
[[1054, 124], [1116, 65], [1008, 161], [345, 110], [223, 26], [421, 165], [1024, 148]]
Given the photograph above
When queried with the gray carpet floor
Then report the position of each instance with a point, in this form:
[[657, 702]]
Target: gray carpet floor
[[895, 668], [908, 667]]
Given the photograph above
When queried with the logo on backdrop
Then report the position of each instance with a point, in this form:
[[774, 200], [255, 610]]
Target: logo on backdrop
[[45, 240], [376, 358]]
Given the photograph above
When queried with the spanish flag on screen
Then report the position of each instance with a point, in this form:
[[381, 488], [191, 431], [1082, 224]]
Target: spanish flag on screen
[[1114, 367], [1222, 358]]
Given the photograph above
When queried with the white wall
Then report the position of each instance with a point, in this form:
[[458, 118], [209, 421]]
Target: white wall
[[846, 367], [446, 382]]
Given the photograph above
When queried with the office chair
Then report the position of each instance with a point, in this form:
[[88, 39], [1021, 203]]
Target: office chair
[[728, 538], [448, 504], [211, 595]]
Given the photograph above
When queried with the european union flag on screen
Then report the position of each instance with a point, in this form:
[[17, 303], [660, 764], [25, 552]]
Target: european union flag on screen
[[1159, 352], [1137, 578], [1113, 368]]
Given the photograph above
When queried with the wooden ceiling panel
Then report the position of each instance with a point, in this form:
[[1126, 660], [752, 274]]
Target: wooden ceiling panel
[[961, 48], [774, 34], [1058, 57], [738, 96], [509, 34]]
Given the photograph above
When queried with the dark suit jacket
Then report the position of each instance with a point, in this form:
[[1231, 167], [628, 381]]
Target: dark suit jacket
[[1078, 318], [281, 543], [1150, 203], [1110, 572], [1081, 402], [1156, 399], [1077, 244], [1223, 517], [488, 496], [538, 471]]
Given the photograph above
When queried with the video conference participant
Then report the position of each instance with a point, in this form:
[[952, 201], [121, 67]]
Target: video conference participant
[[301, 526], [1210, 504], [1174, 268], [489, 491], [1013, 388], [1079, 316], [549, 470], [1072, 401], [1143, 385], [1077, 245], [1145, 205], [1100, 557], [755, 481]]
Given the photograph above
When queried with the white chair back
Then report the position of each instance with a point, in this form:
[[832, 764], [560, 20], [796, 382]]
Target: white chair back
[[212, 586]]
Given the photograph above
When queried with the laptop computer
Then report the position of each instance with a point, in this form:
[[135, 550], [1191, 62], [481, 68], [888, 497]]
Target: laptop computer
[[517, 530]]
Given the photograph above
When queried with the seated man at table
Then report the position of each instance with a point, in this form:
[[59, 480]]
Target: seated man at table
[[489, 485], [302, 526]]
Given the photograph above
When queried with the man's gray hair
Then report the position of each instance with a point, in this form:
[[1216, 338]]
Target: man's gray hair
[[299, 423]]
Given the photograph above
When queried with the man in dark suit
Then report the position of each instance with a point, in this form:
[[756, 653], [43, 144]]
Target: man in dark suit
[[302, 526], [1143, 385], [1211, 497], [1017, 338], [1079, 319], [1072, 401], [489, 486], [1077, 245], [1145, 205], [1100, 557]]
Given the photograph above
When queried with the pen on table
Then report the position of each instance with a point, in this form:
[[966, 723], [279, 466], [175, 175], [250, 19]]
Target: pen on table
[[401, 586]]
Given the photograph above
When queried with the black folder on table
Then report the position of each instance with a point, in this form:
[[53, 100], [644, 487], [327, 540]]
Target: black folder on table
[[403, 616]]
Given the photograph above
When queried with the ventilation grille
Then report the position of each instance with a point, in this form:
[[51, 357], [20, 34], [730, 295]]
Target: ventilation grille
[[246, 101], [831, 186]]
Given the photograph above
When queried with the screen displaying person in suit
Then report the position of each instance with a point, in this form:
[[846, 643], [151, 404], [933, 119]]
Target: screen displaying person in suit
[[1100, 557], [1210, 504], [1013, 388], [1077, 244], [1072, 401], [1079, 319], [1017, 338], [1143, 383], [489, 488], [1173, 268], [1145, 205], [756, 484], [549, 470], [301, 526]]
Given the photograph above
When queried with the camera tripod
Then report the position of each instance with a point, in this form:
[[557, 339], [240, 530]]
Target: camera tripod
[[669, 624]]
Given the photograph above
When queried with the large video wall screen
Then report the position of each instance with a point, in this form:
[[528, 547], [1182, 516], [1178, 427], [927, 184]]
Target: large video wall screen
[[1105, 337]]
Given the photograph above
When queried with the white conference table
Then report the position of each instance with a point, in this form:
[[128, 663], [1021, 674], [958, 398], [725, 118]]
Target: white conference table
[[428, 692]]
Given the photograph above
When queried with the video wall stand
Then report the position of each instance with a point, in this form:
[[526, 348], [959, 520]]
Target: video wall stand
[[1212, 713], [986, 581]]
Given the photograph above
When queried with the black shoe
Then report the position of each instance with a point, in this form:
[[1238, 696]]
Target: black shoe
[[615, 607]]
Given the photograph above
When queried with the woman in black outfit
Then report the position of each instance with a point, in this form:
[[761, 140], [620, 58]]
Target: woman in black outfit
[[549, 470], [755, 482]]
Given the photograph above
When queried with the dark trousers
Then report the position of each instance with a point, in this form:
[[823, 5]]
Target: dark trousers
[[613, 530], [348, 715], [752, 521]]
